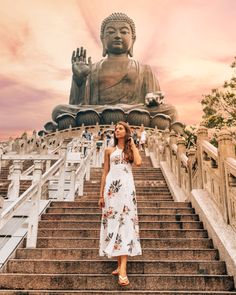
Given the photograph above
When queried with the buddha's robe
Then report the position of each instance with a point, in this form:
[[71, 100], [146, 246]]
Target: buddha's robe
[[128, 92]]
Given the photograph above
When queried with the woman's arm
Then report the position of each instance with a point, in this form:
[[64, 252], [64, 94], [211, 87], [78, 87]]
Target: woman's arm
[[104, 175], [137, 157]]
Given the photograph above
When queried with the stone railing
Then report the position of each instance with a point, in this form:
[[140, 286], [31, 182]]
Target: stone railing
[[203, 167], [72, 166]]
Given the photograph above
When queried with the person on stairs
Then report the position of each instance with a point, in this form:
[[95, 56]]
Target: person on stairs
[[119, 234]]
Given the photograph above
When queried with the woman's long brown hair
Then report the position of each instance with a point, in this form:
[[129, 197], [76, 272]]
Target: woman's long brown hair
[[128, 153]]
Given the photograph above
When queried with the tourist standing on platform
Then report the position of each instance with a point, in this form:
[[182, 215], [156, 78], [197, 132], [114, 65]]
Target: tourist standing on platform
[[119, 235], [143, 139]]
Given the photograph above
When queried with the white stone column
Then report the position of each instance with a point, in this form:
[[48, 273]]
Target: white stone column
[[181, 150], [14, 186], [34, 211], [225, 150], [202, 134], [173, 140], [62, 172]]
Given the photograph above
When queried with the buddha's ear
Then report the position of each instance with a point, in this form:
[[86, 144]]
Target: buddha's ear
[[130, 52], [104, 48]]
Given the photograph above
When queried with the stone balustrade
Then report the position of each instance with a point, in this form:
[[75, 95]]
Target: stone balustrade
[[204, 167], [60, 166]]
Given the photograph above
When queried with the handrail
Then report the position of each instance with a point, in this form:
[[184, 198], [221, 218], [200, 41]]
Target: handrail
[[231, 165], [184, 160], [8, 212], [210, 149]]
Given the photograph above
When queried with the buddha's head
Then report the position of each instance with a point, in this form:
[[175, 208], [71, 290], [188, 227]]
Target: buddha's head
[[118, 34]]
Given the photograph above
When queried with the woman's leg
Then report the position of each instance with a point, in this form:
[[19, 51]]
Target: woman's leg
[[123, 279], [117, 270], [123, 265]]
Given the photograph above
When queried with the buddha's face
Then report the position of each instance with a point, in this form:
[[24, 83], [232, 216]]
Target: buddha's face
[[117, 37]]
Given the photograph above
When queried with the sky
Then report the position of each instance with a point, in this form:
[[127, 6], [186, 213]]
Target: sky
[[189, 44]]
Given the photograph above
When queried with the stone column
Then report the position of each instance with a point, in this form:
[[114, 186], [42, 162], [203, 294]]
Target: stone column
[[181, 150], [191, 158], [62, 172], [14, 186], [34, 211], [202, 134], [225, 150], [173, 140]]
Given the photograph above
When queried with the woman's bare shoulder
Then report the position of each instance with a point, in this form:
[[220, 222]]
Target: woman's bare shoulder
[[109, 150]]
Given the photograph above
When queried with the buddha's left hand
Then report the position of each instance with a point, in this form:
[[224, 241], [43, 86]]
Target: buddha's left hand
[[153, 99]]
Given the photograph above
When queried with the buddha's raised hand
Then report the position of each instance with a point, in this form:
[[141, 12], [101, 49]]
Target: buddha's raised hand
[[80, 66]]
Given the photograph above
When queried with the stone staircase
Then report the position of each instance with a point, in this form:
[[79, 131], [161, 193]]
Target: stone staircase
[[178, 256]]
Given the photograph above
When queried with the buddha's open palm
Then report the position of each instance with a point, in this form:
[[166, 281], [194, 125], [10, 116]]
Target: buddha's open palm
[[80, 66]]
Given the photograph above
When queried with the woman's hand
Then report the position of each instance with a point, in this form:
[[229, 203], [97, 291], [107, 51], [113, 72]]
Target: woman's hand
[[101, 202], [131, 142]]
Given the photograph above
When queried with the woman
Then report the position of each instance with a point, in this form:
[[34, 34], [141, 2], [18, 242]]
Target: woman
[[119, 236]]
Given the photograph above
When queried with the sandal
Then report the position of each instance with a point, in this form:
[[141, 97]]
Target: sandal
[[123, 281], [115, 272]]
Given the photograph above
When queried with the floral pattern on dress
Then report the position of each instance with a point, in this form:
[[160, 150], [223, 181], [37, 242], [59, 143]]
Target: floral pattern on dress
[[109, 237], [121, 220], [135, 221], [134, 197], [118, 242], [114, 188], [110, 213], [126, 170], [131, 246], [119, 160], [126, 210]]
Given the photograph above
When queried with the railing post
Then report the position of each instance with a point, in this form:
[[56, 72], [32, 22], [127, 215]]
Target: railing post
[[71, 195], [62, 172], [173, 140], [34, 212], [181, 150], [202, 134], [225, 150], [166, 143], [81, 182], [191, 157], [14, 186]]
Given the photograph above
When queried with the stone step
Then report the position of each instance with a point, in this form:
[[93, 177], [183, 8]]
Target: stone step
[[141, 203], [150, 254], [150, 233], [95, 194], [106, 282], [145, 197], [106, 292], [97, 216], [142, 224], [118, 292], [102, 267], [156, 198], [139, 188], [141, 210], [161, 243]]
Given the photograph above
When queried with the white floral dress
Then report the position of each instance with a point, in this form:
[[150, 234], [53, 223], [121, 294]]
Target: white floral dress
[[119, 233]]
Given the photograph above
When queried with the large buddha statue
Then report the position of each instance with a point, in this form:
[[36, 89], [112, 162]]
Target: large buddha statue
[[115, 88]]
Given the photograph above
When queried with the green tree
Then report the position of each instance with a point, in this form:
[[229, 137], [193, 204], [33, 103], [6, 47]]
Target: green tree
[[219, 107]]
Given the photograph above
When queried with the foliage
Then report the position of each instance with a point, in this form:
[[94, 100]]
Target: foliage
[[219, 107], [190, 135]]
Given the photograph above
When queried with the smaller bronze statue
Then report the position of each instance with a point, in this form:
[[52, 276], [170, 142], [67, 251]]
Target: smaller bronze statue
[[117, 88]]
